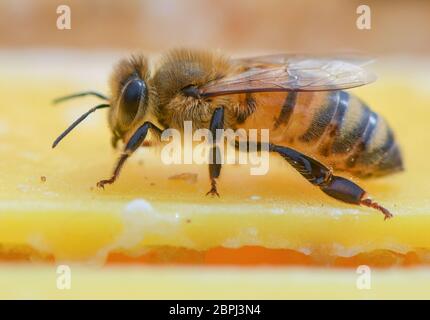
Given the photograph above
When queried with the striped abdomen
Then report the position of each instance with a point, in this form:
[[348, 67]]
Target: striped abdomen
[[334, 127]]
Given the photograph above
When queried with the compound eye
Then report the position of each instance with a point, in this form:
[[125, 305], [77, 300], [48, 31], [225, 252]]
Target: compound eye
[[133, 93]]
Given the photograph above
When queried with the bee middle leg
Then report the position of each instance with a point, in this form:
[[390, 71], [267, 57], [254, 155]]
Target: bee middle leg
[[132, 145], [217, 122], [319, 175]]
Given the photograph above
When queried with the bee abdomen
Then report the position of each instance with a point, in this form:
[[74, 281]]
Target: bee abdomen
[[353, 138], [377, 152]]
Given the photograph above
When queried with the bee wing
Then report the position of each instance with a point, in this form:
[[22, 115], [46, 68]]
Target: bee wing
[[285, 58], [290, 73]]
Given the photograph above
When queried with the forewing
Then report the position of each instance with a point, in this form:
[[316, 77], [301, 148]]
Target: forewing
[[290, 73], [285, 58]]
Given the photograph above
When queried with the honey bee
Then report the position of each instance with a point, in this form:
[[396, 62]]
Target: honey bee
[[314, 124]]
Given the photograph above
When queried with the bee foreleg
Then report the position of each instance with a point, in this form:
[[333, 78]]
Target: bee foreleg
[[319, 175], [217, 122], [132, 145]]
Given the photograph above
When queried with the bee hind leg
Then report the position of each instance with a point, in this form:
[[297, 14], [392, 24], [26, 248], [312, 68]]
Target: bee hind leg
[[133, 143], [319, 175], [217, 122]]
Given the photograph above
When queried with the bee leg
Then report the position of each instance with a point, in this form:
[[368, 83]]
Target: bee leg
[[214, 170], [217, 122], [319, 175], [133, 143]]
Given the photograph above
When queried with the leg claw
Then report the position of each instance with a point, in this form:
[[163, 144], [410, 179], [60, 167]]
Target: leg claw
[[213, 192], [387, 216], [371, 204], [101, 183]]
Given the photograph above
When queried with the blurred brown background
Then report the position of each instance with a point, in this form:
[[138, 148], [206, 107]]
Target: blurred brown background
[[398, 27]]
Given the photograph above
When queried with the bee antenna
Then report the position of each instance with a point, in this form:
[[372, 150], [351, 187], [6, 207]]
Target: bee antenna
[[80, 94], [78, 121]]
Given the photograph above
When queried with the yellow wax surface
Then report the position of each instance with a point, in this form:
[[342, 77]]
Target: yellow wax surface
[[51, 211]]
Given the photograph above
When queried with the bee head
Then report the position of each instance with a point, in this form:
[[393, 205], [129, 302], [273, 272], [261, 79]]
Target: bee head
[[130, 94], [128, 103]]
